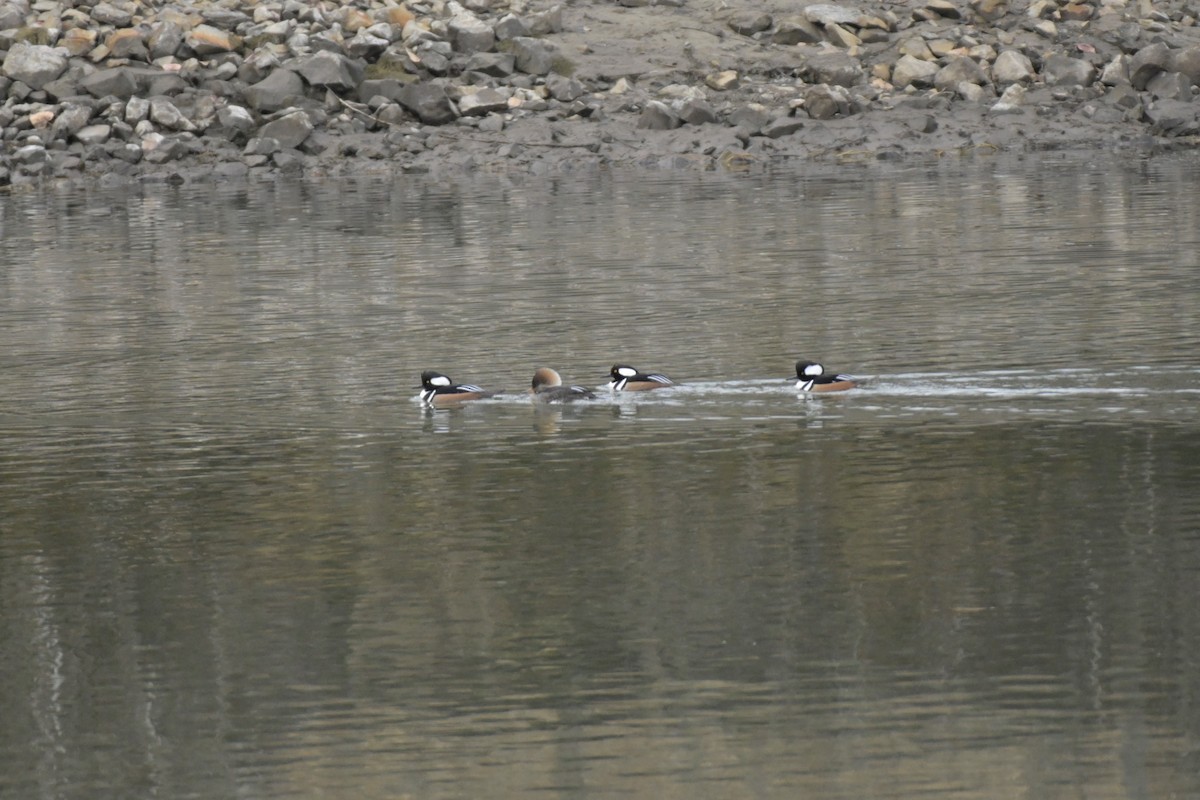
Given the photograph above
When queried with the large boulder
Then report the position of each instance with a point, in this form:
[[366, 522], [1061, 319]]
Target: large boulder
[[277, 91], [35, 65], [429, 101], [331, 71]]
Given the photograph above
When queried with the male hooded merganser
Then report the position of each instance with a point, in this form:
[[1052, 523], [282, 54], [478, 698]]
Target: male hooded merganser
[[439, 390], [812, 377], [627, 379], [547, 388]]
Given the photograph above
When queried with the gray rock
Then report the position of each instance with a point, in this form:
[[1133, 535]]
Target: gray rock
[[289, 130], [261, 146], [125, 151], [1187, 61], [782, 126], [165, 83], [164, 113], [258, 66], [564, 89], [697, 112], [11, 16], [827, 102], [482, 103], [94, 134], [1012, 66], [829, 14], [534, 56], [1148, 62], [910, 71], [658, 116], [510, 27], [60, 88], [277, 91], [366, 46], [751, 23], [470, 34], [70, 121], [796, 30], [959, 69], [109, 14], [498, 65], [1173, 118], [159, 149], [165, 39], [544, 23], [331, 70], [751, 117], [129, 47], [837, 69], [389, 88], [1061, 70], [429, 101], [119, 82], [1116, 72], [233, 124], [34, 65], [1170, 86], [136, 110], [1010, 101]]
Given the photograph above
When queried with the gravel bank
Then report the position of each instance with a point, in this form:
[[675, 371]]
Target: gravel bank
[[125, 90]]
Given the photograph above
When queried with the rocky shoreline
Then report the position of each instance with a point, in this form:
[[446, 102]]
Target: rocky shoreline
[[124, 90]]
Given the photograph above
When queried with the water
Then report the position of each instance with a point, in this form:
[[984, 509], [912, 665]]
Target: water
[[237, 559]]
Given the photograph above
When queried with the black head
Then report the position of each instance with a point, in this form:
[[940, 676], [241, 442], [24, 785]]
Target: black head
[[433, 380], [809, 369], [620, 371]]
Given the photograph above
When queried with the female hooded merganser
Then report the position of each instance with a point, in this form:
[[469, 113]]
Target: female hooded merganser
[[627, 379], [812, 377], [439, 390], [547, 388]]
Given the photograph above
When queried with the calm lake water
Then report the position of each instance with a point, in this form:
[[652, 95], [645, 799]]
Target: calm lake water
[[238, 560]]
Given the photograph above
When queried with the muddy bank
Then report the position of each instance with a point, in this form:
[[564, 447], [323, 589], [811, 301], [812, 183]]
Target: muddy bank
[[128, 90]]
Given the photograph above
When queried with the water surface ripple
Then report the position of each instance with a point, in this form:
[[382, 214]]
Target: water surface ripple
[[238, 559]]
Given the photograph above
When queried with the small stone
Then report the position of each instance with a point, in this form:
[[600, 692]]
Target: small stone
[[841, 37], [470, 34], [958, 69], [429, 101], [94, 134], [796, 30], [658, 116], [164, 113], [1061, 70], [723, 81], [828, 14], [1076, 12], [289, 130], [782, 126], [331, 70], [944, 9], [1010, 101], [71, 120], [483, 102], [277, 91], [261, 146], [751, 23], [697, 112], [127, 43], [136, 110], [206, 40], [510, 27], [534, 56], [911, 71], [1148, 62], [110, 14], [1012, 66]]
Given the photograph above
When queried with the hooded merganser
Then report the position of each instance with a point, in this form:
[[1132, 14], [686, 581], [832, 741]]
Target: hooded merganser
[[627, 379], [547, 388], [812, 377], [439, 390]]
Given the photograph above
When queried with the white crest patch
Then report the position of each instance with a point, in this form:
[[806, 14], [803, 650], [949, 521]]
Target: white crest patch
[[627, 372], [814, 370], [440, 380]]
